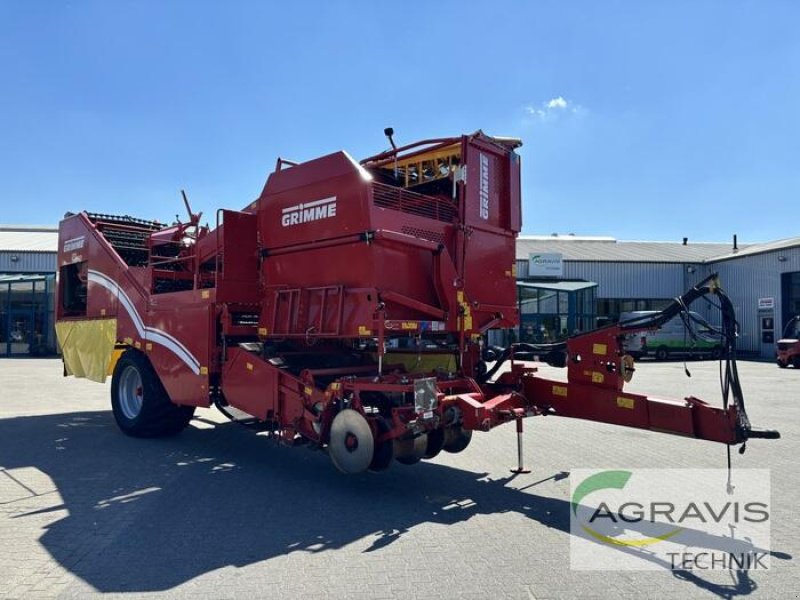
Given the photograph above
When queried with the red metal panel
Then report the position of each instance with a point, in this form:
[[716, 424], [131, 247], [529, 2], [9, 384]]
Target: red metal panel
[[486, 202], [178, 340], [238, 280], [489, 278], [250, 384], [325, 306], [317, 200], [514, 193]]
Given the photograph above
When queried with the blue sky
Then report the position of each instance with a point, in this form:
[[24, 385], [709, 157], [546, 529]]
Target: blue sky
[[641, 120]]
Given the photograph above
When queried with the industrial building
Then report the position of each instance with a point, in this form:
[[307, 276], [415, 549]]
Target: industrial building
[[569, 283], [566, 284], [27, 290]]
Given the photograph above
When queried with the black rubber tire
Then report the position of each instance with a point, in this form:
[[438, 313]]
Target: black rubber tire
[[662, 353], [158, 415], [796, 362], [782, 364]]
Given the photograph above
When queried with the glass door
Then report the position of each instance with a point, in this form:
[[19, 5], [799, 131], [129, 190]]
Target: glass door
[[20, 332]]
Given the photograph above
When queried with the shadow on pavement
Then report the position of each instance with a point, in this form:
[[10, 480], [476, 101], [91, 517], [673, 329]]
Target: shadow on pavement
[[148, 515]]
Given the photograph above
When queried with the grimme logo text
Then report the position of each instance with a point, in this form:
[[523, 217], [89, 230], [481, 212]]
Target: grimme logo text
[[309, 211]]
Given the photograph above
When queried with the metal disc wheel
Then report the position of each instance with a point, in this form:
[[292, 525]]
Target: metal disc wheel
[[384, 451], [435, 443], [131, 392], [410, 451], [351, 444], [457, 439]]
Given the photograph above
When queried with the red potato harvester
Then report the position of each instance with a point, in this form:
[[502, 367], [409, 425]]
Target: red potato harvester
[[346, 308]]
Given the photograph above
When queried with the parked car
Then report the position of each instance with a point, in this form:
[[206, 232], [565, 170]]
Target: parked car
[[673, 338]]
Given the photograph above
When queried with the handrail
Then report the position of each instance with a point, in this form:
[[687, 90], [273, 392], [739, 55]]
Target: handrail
[[388, 156], [403, 200]]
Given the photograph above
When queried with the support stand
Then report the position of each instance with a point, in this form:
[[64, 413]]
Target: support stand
[[520, 468]]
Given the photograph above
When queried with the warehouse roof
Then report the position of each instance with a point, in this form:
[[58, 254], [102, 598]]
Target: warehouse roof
[[557, 286], [752, 249], [28, 238], [606, 249]]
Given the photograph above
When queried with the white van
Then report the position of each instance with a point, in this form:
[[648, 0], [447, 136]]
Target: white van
[[672, 339]]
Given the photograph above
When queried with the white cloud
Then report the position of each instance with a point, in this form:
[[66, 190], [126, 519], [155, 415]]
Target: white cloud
[[532, 110], [553, 108], [557, 103]]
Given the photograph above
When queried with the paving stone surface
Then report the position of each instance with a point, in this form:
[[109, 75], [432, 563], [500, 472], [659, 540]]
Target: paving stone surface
[[219, 512]]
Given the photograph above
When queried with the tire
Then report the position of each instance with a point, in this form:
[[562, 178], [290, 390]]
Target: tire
[[662, 353], [796, 361], [139, 401]]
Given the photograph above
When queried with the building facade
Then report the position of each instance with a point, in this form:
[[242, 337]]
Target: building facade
[[27, 290], [763, 280]]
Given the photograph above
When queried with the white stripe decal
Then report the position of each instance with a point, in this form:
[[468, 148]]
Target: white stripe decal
[[303, 205], [147, 333]]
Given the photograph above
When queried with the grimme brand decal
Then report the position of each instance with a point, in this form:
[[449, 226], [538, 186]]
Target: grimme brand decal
[[74, 244], [484, 177], [309, 211]]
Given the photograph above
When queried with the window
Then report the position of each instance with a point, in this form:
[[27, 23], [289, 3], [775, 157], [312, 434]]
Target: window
[[609, 309], [73, 284], [557, 310]]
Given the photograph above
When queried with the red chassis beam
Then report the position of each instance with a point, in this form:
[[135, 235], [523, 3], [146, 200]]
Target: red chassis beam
[[691, 417], [597, 370]]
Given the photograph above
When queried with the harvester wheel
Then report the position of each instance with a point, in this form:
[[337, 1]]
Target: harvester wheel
[[410, 451], [351, 443], [384, 451], [139, 401], [435, 443], [457, 439]]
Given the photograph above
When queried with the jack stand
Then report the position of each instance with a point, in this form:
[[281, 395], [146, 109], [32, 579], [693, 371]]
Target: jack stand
[[520, 468]]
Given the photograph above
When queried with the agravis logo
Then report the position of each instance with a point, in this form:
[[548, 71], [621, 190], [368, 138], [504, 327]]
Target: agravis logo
[[669, 518], [538, 259], [611, 480]]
